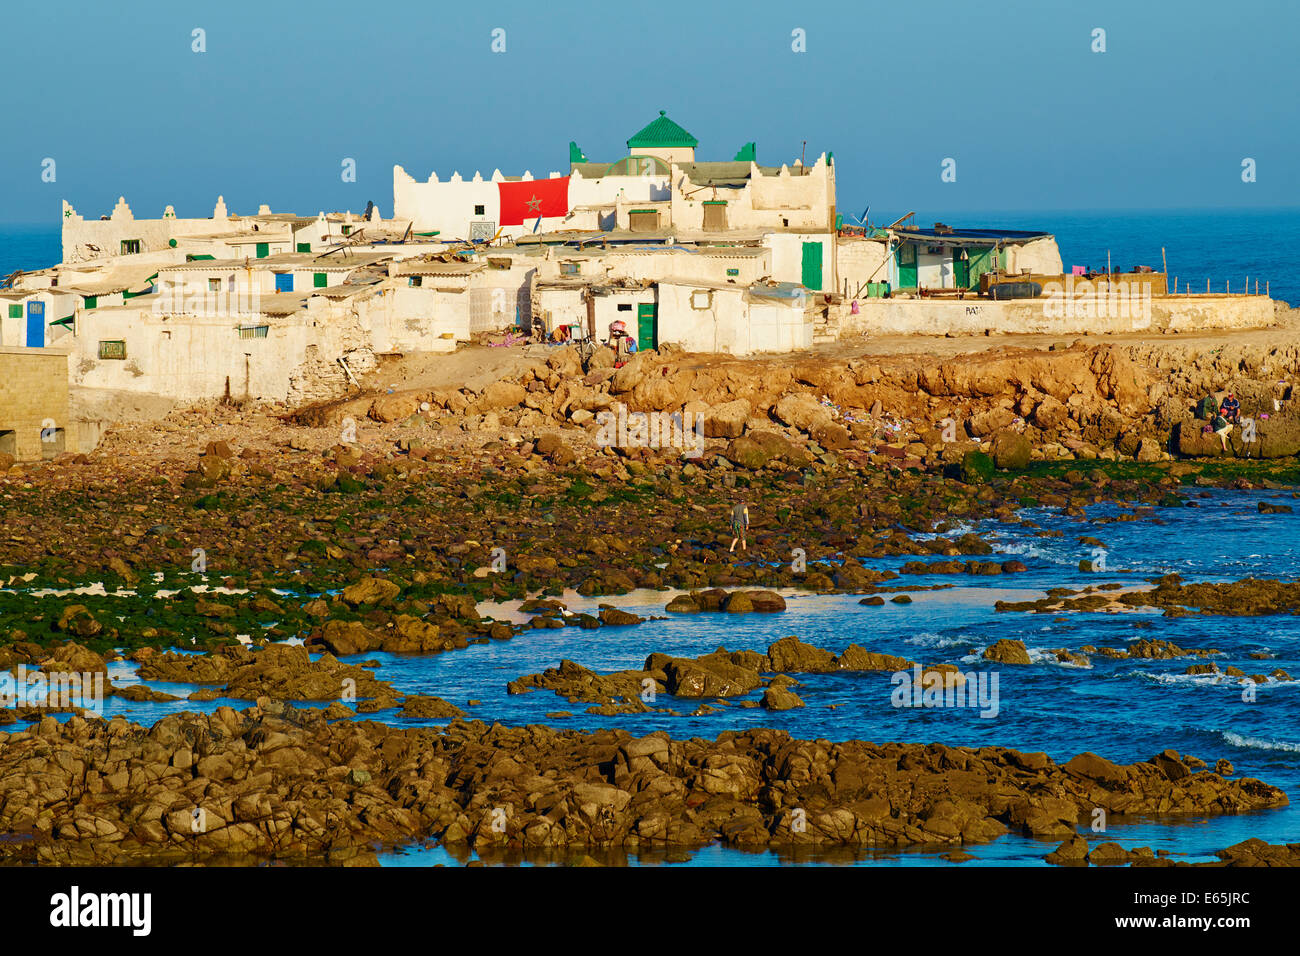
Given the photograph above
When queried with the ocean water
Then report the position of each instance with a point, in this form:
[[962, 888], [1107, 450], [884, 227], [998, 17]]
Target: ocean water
[[1125, 710], [29, 246], [1221, 245]]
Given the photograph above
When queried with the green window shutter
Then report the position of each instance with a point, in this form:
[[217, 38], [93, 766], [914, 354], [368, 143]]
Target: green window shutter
[[92, 301], [15, 311], [263, 249], [304, 247], [319, 280]]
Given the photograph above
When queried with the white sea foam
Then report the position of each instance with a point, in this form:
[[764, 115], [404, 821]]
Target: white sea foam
[[1258, 743], [1041, 655], [927, 639]]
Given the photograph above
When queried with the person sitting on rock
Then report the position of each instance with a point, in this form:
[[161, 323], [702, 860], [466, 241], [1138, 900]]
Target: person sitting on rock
[[1231, 408], [1221, 427], [739, 526]]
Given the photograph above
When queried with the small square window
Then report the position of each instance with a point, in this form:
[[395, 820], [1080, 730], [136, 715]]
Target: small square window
[[130, 247], [415, 281], [15, 311], [480, 210], [347, 230], [568, 268], [214, 285], [625, 307]]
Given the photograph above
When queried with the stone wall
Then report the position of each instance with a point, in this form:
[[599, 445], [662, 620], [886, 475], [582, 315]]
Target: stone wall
[[1054, 315], [34, 420]]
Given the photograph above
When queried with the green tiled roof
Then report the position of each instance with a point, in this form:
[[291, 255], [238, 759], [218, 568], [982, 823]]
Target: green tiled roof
[[660, 133]]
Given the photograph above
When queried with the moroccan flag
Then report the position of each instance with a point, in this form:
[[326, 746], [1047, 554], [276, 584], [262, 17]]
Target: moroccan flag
[[524, 201]]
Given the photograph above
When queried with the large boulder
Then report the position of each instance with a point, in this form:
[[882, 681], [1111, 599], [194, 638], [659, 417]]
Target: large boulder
[[778, 446], [800, 410], [395, 407], [976, 467], [371, 591], [726, 420], [1007, 651], [792, 655], [500, 395], [1049, 413], [1010, 450], [779, 697], [746, 452]]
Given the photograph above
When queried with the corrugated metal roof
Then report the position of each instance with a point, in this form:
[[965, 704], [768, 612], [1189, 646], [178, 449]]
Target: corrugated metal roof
[[294, 260], [977, 234], [589, 170], [436, 267]]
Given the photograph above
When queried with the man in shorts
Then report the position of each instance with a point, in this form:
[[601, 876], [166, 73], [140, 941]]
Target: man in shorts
[[739, 525], [1221, 428]]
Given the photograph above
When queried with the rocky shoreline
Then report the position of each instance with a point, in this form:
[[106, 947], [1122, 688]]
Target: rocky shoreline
[[231, 531], [278, 783]]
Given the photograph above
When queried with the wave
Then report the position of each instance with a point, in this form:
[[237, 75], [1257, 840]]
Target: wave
[[1257, 743], [928, 639]]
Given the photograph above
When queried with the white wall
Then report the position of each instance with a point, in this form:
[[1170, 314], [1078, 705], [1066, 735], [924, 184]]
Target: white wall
[[720, 327], [787, 257], [860, 261], [449, 206]]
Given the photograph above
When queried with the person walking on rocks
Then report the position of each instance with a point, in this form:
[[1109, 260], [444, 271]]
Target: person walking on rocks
[[739, 526]]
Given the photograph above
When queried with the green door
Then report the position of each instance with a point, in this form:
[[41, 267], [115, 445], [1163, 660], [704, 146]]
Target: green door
[[907, 266], [812, 266], [960, 270], [981, 261], [647, 326], [263, 250], [319, 280]]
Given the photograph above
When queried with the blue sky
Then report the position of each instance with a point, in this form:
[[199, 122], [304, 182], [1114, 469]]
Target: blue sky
[[1011, 90]]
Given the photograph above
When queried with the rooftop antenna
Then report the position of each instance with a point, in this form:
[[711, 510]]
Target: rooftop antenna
[[803, 150]]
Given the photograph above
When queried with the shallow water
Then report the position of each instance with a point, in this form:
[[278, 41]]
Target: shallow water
[[1126, 710]]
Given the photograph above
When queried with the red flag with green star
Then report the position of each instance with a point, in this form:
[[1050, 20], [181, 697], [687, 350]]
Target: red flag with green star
[[524, 201]]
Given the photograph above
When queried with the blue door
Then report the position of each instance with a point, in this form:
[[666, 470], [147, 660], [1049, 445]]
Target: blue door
[[284, 282], [35, 325]]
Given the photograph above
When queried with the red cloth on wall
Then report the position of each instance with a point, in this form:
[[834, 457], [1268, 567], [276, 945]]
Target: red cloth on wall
[[524, 201]]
